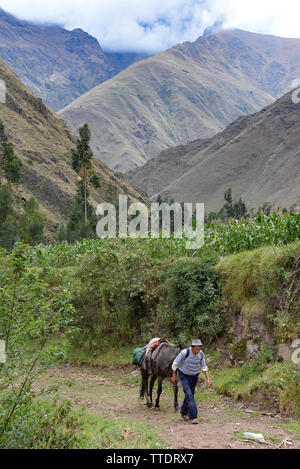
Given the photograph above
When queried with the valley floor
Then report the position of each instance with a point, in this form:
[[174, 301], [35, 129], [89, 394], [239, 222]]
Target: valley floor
[[114, 417]]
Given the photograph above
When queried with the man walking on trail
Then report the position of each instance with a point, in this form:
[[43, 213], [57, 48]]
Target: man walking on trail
[[188, 364]]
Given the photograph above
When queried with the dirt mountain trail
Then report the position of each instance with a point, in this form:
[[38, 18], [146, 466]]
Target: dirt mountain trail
[[114, 395]]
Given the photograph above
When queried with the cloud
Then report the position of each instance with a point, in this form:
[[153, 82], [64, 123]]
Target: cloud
[[155, 25], [276, 17]]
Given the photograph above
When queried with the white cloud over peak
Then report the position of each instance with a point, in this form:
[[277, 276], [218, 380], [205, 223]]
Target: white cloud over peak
[[154, 25]]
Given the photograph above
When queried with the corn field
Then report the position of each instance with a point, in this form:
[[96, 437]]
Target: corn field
[[248, 234], [231, 238]]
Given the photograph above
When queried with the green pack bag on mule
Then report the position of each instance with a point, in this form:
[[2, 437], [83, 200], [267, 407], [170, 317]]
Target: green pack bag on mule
[[138, 355]]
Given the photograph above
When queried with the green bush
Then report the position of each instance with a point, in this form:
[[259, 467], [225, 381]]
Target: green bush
[[193, 301], [40, 426]]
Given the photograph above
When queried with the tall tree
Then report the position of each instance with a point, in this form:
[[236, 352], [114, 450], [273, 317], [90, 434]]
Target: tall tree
[[77, 228], [82, 162], [234, 210], [8, 219], [10, 164], [240, 210], [229, 201]]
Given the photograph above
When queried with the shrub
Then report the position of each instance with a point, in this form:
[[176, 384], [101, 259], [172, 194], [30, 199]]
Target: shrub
[[40, 426], [193, 299]]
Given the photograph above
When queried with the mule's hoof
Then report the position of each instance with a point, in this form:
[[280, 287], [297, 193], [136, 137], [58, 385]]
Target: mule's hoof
[[149, 405], [157, 409]]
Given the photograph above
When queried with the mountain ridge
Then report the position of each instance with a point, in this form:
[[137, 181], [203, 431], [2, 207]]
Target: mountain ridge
[[258, 156], [43, 143], [56, 64], [193, 90]]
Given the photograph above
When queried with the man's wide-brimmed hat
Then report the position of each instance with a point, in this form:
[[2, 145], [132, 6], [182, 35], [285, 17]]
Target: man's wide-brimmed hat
[[197, 343]]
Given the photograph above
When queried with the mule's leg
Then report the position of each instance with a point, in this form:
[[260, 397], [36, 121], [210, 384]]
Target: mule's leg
[[143, 388], [175, 388], [148, 398], [159, 391], [152, 382]]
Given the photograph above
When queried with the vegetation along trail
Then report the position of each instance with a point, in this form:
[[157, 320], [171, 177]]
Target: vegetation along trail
[[109, 397]]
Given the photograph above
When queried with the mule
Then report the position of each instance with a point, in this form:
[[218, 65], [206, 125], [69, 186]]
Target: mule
[[161, 368]]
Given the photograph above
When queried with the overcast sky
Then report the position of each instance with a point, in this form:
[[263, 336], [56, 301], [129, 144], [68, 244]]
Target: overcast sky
[[154, 25]]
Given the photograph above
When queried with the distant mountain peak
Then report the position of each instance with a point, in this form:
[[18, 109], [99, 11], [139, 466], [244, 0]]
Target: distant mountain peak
[[81, 32], [56, 64]]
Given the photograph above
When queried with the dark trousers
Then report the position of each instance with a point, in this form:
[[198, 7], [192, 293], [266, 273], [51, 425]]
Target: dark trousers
[[189, 406]]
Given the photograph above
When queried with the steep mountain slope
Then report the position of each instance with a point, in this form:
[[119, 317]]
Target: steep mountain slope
[[56, 64], [193, 90], [257, 155], [44, 143]]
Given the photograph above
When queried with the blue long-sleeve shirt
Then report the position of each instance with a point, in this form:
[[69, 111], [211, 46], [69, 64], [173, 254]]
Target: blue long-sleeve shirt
[[190, 365]]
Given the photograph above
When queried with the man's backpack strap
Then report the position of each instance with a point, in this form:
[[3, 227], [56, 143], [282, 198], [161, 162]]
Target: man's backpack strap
[[186, 356]]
